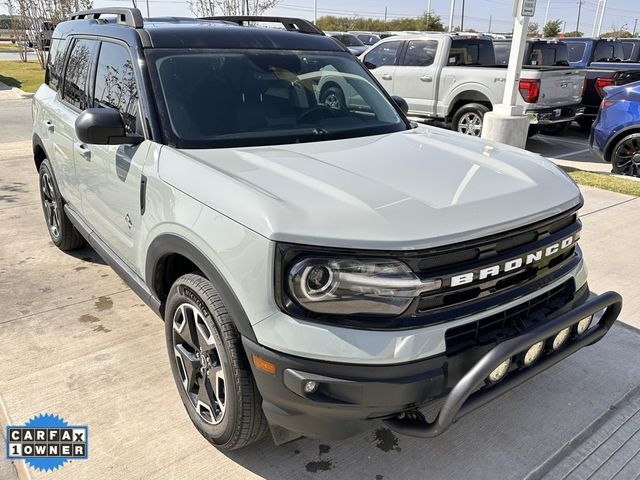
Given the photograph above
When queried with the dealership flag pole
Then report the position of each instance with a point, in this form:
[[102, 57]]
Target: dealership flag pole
[[453, 8], [604, 6]]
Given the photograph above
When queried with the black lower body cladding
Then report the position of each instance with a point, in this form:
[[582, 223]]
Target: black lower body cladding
[[348, 395]]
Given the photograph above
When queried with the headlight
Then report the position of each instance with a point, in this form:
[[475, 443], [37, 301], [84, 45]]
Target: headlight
[[352, 286]]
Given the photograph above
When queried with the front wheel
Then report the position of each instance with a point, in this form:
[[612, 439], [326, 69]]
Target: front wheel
[[469, 119], [209, 365], [625, 157]]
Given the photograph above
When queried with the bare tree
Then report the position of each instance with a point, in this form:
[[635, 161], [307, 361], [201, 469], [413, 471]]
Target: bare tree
[[17, 28], [209, 8], [37, 18]]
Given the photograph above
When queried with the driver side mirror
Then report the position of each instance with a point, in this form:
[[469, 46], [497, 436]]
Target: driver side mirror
[[369, 65], [401, 103], [104, 126]]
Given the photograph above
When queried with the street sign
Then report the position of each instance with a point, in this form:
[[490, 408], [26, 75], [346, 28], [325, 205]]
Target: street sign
[[528, 8]]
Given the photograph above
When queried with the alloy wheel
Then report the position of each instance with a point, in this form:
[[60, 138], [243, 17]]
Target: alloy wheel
[[627, 157], [50, 205], [197, 356], [470, 124]]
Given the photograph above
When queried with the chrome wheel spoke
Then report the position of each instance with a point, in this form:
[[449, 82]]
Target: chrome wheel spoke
[[216, 377], [184, 325]]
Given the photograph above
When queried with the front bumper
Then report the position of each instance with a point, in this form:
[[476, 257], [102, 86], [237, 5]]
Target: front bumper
[[550, 116], [349, 394]]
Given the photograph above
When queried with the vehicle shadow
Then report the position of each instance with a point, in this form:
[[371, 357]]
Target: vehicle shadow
[[87, 254]]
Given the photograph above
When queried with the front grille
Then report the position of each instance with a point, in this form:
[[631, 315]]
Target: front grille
[[513, 321]]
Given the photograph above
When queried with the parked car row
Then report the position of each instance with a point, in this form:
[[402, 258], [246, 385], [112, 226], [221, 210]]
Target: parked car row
[[457, 78]]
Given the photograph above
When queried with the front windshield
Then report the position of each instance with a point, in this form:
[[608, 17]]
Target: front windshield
[[264, 97], [349, 40]]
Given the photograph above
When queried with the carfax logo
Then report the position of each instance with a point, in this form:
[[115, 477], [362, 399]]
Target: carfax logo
[[46, 442]]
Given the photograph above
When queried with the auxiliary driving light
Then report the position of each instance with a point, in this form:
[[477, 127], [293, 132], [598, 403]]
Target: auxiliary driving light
[[533, 353], [310, 386], [561, 338], [500, 371], [583, 325]]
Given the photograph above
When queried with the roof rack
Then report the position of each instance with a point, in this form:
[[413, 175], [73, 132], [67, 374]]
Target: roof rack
[[291, 24], [126, 15]]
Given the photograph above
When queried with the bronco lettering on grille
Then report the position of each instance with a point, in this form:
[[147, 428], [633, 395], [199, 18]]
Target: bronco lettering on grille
[[513, 264]]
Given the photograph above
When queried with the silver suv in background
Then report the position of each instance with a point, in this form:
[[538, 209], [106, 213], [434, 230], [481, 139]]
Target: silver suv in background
[[316, 267]]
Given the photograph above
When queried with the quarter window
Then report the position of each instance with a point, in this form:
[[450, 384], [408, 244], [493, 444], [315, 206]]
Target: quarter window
[[55, 62], [116, 83], [77, 74], [420, 53], [384, 54]]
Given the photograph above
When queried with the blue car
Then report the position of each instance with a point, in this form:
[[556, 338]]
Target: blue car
[[615, 136]]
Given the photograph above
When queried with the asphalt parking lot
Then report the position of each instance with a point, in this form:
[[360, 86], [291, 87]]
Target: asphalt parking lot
[[78, 343]]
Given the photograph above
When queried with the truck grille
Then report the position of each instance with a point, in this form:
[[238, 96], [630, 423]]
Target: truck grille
[[513, 321]]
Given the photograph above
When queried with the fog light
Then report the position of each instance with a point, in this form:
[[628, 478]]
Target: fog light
[[500, 371], [561, 338], [533, 353], [310, 386], [583, 325]]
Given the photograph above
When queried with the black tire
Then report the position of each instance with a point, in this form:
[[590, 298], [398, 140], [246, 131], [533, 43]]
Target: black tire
[[241, 420], [533, 130], [333, 97], [62, 232], [585, 123], [625, 156], [554, 128], [469, 119]]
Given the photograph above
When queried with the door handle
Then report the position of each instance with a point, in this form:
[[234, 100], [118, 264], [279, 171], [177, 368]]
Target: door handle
[[386, 76], [50, 127], [84, 152], [426, 78]]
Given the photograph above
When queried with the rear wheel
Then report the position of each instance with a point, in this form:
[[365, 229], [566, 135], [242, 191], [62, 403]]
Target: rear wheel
[[469, 119], [209, 365], [625, 157], [554, 128], [62, 232]]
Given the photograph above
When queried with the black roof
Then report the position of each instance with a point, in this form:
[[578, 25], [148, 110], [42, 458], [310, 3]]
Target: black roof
[[184, 32]]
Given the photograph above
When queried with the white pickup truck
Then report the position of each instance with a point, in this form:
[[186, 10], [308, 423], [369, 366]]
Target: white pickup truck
[[455, 78]]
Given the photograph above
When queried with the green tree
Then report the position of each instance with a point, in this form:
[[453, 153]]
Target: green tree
[[573, 34], [552, 28], [622, 33], [431, 22], [534, 29]]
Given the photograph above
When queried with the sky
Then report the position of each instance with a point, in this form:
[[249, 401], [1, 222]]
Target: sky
[[618, 13]]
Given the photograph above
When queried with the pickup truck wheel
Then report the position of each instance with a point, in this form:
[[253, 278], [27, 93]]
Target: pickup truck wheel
[[554, 128], [469, 119], [209, 365], [585, 122], [62, 232], [625, 159]]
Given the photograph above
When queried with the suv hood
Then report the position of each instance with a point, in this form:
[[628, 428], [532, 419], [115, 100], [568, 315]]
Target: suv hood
[[407, 190]]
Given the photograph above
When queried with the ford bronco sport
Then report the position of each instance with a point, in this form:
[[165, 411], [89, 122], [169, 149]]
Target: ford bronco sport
[[317, 266]]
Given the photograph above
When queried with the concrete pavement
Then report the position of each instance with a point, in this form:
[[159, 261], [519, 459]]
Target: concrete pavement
[[77, 342]]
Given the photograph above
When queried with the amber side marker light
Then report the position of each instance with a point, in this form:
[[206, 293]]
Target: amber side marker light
[[264, 365]]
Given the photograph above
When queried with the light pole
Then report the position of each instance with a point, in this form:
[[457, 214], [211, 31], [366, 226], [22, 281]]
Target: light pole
[[428, 14], [546, 15], [604, 6], [462, 20], [579, 11], [507, 123], [453, 8]]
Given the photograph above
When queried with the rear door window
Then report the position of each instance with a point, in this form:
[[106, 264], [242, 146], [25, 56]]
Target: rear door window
[[576, 51], [549, 55], [76, 80], [116, 83], [384, 54], [420, 53], [502, 51], [471, 52], [607, 51]]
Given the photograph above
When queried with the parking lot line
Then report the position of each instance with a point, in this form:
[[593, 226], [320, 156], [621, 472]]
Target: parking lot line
[[571, 154]]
